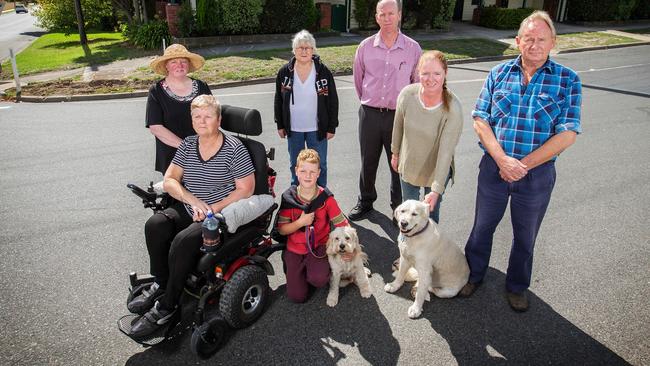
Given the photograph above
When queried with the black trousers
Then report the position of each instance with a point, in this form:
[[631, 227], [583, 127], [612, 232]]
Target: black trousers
[[375, 133], [174, 242]]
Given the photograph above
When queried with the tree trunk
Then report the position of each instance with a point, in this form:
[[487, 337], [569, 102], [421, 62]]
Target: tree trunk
[[80, 22]]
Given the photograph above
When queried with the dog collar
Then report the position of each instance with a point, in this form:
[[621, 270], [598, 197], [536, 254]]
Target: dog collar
[[419, 232]]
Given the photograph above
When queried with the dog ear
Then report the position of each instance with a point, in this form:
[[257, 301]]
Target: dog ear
[[426, 208], [329, 248], [355, 238]]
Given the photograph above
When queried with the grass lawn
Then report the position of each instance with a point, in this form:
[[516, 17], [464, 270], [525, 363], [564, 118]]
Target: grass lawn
[[56, 51], [645, 31], [590, 39], [262, 64]]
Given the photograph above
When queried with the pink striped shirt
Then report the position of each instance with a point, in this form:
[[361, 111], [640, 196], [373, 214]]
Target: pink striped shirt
[[381, 73]]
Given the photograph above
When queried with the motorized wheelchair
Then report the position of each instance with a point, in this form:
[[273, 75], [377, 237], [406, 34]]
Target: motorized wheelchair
[[231, 283]]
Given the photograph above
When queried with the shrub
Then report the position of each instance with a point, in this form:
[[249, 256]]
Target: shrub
[[642, 10], [288, 16], [208, 17], [503, 18], [419, 13], [239, 17], [150, 35], [364, 13], [186, 20], [446, 13], [60, 14], [601, 10]]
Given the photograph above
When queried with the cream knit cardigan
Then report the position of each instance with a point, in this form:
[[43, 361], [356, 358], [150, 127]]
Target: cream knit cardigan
[[425, 140]]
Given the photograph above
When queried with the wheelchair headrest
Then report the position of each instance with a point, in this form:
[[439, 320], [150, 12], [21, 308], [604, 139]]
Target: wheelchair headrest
[[241, 120]]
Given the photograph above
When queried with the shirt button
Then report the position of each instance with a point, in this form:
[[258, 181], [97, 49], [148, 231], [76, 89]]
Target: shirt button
[[384, 86], [382, 97], [385, 74], [386, 62]]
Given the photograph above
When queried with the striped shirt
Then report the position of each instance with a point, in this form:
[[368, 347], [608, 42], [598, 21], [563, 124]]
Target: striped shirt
[[214, 179], [523, 117]]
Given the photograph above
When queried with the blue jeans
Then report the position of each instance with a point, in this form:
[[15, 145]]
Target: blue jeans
[[411, 192], [529, 198], [297, 142]]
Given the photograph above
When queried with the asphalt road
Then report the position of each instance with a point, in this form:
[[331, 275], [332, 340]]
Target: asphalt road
[[71, 231], [17, 31]]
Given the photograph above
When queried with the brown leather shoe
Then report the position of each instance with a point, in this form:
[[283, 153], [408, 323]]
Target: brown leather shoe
[[468, 289], [518, 302]]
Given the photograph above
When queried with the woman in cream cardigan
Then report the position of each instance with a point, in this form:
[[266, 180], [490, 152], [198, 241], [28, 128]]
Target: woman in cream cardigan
[[427, 127]]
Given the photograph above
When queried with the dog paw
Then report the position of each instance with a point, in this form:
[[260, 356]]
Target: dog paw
[[391, 287], [366, 270], [414, 291], [366, 294], [414, 311], [332, 300]]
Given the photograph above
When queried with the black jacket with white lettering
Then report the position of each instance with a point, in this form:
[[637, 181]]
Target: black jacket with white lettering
[[328, 101]]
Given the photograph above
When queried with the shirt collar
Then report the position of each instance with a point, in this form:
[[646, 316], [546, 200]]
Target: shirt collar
[[399, 42], [548, 65]]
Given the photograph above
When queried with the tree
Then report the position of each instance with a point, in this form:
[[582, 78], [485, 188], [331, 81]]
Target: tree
[[58, 15]]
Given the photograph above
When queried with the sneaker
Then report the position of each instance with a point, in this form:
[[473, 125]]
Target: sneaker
[[151, 321], [518, 302], [143, 302], [468, 289], [359, 211]]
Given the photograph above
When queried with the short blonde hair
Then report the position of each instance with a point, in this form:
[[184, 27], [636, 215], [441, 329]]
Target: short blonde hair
[[206, 101], [537, 15], [303, 37], [308, 156]]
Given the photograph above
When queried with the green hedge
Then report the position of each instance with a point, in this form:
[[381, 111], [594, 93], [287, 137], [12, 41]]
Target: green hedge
[[503, 18], [288, 16], [601, 10]]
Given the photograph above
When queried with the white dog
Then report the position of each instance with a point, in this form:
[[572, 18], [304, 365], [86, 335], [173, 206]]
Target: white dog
[[440, 264], [344, 240]]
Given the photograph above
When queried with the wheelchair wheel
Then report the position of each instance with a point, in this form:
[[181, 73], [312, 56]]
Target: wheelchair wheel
[[244, 296], [208, 338]]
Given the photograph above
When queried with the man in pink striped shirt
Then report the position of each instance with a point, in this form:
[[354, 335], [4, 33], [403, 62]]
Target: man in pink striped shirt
[[383, 65]]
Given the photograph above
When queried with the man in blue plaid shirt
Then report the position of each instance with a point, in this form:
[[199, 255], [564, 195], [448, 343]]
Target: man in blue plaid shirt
[[528, 112]]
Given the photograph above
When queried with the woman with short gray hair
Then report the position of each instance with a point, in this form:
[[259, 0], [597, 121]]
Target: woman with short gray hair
[[306, 103]]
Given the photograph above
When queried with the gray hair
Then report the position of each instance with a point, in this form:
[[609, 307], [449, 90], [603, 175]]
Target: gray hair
[[397, 3], [303, 37], [537, 15]]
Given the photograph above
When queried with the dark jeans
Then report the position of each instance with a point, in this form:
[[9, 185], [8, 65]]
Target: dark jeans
[[375, 133], [174, 242], [301, 140], [529, 198], [305, 270]]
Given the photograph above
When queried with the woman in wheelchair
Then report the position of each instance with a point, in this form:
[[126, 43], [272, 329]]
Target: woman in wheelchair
[[209, 171]]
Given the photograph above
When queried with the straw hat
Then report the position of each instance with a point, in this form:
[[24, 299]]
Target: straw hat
[[176, 51]]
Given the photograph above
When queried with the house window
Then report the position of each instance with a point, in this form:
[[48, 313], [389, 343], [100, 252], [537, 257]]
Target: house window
[[476, 2]]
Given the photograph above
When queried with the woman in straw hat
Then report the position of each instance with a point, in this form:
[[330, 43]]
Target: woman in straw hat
[[168, 105]]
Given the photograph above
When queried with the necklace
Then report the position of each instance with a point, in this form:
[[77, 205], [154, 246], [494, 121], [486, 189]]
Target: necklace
[[305, 198]]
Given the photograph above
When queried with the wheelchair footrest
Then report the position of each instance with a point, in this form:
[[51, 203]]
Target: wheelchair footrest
[[125, 323]]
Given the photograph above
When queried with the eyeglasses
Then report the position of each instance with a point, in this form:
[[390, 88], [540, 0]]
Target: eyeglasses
[[304, 49]]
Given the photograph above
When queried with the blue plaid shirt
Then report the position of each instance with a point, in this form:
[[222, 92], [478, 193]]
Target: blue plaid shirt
[[524, 117]]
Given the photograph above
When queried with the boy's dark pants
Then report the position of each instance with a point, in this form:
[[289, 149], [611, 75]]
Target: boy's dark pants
[[529, 198], [305, 270]]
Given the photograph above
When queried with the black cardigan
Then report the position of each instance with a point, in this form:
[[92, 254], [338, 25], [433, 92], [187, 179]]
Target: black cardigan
[[328, 100]]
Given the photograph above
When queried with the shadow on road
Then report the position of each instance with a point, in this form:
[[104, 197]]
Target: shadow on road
[[483, 330], [480, 330]]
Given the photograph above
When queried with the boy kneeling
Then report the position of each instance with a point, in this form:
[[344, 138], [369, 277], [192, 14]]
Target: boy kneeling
[[306, 212]]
